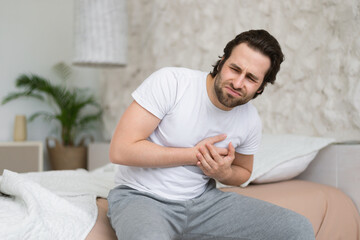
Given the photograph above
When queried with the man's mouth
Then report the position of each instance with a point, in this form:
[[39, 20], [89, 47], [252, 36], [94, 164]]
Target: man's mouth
[[233, 92]]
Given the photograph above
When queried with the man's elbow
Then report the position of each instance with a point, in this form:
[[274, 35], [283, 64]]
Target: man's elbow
[[115, 156], [246, 176]]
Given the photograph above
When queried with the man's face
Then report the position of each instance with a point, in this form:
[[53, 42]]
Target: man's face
[[241, 76]]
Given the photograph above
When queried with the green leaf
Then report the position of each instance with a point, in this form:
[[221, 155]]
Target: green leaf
[[63, 70], [46, 115], [12, 96], [85, 120]]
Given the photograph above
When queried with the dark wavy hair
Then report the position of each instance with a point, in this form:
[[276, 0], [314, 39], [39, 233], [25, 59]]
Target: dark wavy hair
[[259, 40]]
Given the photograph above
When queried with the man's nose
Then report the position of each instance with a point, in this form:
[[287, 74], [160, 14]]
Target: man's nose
[[239, 81]]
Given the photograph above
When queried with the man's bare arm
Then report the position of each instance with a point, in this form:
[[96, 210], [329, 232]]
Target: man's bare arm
[[241, 170], [129, 144]]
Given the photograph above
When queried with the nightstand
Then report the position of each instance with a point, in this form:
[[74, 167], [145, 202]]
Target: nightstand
[[21, 156], [98, 155]]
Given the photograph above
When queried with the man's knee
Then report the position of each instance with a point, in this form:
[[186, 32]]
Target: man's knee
[[138, 219], [298, 227], [140, 229]]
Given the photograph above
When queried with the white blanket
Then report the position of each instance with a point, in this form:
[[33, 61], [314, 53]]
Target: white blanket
[[50, 205]]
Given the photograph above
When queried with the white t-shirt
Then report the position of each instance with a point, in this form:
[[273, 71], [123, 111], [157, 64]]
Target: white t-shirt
[[179, 98]]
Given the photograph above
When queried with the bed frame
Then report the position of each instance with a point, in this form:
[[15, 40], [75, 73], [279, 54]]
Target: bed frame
[[337, 165]]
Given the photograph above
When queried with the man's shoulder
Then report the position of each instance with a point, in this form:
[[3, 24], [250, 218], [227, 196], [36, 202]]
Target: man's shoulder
[[179, 71], [177, 77], [250, 110]]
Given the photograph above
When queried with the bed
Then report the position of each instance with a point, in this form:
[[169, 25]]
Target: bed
[[72, 204]]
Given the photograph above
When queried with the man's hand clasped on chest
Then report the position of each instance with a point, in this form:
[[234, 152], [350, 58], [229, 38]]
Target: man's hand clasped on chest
[[215, 162]]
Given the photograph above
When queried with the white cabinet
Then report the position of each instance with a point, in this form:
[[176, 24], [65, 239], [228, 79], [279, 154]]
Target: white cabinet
[[21, 156], [98, 155]]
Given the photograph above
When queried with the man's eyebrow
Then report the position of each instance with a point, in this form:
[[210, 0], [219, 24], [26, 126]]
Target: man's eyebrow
[[233, 65]]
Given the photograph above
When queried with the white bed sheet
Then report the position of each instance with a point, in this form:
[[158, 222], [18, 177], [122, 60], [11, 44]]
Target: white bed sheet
[[51, 205]]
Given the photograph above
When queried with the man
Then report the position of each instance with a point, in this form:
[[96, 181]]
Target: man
[[187, 128]]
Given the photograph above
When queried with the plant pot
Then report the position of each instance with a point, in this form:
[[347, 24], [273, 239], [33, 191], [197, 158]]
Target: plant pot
[[66, 157]]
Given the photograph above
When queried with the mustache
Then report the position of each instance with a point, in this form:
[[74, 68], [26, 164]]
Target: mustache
[[239, 90]]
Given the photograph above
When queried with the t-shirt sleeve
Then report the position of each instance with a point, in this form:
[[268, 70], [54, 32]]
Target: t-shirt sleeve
[[157, 93], [252, 142]]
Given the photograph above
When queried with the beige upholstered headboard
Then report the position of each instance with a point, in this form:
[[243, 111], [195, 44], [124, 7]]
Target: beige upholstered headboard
[[337, 165]]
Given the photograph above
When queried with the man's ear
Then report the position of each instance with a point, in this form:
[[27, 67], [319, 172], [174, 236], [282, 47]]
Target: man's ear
[[260, 91], [222, 59], [261, 88]]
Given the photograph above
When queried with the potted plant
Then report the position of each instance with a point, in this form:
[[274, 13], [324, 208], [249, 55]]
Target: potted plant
[[69, 105]]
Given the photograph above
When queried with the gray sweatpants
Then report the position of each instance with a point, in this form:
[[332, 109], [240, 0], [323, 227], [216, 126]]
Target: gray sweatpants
[[213, 215]]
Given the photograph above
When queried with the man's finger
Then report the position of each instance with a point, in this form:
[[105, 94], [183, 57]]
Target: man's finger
[[231, 150], [222, 151], [210, 163], [202, 162], [217, 138], [215, 155]]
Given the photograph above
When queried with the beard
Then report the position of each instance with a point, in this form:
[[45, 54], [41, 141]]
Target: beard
[[227, 99]]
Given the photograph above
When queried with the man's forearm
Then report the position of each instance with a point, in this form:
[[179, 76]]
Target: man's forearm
[[237, 177], [144, 153]]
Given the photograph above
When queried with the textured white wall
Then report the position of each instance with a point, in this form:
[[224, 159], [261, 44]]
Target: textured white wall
[[317, 91]]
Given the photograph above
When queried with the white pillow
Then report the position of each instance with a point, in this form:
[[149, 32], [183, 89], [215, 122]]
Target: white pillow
[[287, 170], [282, 157]]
